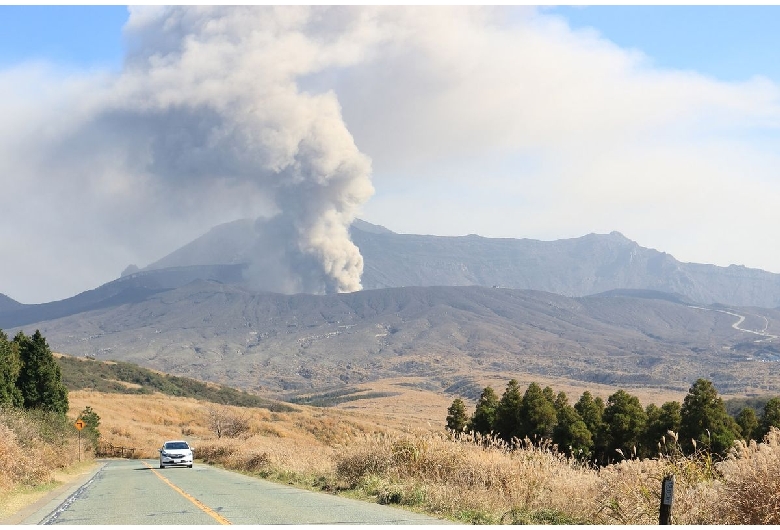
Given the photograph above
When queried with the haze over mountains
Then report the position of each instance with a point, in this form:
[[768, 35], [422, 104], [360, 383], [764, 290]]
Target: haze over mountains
[[446, 308], [572, 267]]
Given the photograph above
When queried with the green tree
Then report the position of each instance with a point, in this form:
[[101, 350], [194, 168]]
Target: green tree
[[549, 394], [624, 421], [457, 419], [10, 365], [40, 381], [748, 424], [591, 410], [507, 424], [704, 419], [660, 420], [90, 430], [771, 416], [484, 418], [537, 412], [571, 435]]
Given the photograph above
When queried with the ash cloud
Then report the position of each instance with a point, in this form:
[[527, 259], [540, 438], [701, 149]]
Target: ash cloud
[[207, 119], [499, 121], [213, 93]]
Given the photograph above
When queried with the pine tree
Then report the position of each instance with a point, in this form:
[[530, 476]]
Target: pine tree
[[456, 416], [771, 416], [660, 420], [749, 425], [507, 424], [624, 421], [484, 418], [537, 412], [591, 410], [10, 365], [571, 435], [704, 419], [40, 381]]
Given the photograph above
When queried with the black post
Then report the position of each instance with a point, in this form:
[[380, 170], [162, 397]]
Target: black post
[[667, 498], [79, 445]]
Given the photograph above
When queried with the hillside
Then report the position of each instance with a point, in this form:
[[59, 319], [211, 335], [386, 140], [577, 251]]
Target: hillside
[[449, 310], [448, 335], [82, 373], [8, 304]]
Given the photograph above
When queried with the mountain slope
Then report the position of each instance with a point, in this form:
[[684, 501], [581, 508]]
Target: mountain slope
[[8, 304], [573, 267], [272, 342], [128, 289]]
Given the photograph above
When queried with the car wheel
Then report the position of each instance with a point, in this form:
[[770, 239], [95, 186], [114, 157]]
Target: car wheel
[[190, 466], [162, 466]]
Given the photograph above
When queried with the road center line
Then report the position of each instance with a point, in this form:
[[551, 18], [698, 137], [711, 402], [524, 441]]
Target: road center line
[[193, 500]]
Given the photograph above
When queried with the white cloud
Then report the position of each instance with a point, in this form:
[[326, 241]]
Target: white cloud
[[570, 134], [498, 121]]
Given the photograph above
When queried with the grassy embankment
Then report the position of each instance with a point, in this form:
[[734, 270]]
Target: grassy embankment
[[376, 457], [36, 451]]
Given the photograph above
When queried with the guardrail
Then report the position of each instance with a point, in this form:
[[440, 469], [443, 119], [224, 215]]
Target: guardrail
[[105, 450]]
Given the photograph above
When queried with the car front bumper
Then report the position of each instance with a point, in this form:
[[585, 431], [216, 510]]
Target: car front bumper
[[170, 461]]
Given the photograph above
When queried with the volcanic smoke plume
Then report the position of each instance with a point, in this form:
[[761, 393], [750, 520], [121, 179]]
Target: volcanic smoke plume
[[207, 114]]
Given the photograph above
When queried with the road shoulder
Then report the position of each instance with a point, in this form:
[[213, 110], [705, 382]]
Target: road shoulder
[[39, 507]]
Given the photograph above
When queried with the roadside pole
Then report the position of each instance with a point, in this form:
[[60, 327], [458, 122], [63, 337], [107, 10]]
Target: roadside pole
[[667, 498], [79, 425]]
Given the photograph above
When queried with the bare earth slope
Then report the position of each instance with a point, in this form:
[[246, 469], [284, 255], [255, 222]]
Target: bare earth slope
[[448, 335], [655, 325]]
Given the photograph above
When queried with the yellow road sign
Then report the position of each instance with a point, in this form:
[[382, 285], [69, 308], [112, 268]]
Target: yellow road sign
[[80, 424]]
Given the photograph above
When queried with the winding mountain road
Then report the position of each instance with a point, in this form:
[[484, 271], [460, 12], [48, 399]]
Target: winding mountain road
[[740, 319], [136, 492]]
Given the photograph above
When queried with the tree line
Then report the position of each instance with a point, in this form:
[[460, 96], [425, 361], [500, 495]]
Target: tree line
[[29, 375], [618, 428]]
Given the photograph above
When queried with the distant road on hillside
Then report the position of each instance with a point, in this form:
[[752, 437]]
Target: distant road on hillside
[[135, 492], [738, 324]]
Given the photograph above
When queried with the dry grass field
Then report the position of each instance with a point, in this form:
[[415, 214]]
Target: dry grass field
[[393, 450], [411, 406]]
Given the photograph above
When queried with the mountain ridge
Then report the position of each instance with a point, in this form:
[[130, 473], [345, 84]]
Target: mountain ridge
[[583, 266], [580, 266], [445, 309], [275, 343]]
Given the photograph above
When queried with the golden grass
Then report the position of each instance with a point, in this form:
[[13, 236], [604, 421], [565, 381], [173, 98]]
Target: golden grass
[[752, 483], [391, 454], [25, 457], [16, 498], [480, 482], [144, 422], [389, 451]]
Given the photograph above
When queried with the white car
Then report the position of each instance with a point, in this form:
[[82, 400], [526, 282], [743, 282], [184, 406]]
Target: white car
[[176, 453]]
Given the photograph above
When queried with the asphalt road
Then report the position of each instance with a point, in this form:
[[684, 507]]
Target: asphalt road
[[136, 492]]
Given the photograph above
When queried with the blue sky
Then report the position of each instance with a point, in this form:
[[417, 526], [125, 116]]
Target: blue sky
[[77, 36], [728, 42], [660, 122], [731, 43]]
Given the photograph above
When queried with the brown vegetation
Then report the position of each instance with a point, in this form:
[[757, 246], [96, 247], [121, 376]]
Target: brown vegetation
[[27, 455], [34, 448], [378, 458]]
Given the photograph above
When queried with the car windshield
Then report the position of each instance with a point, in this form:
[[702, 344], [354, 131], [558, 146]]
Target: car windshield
[[176, 445]]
